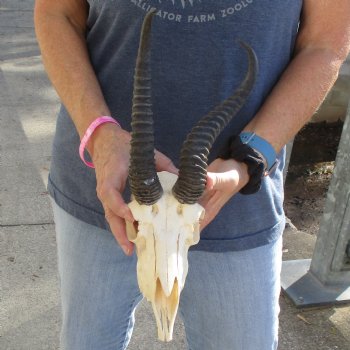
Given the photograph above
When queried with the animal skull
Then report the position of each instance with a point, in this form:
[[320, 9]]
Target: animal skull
[[164, 205], [166, 230]]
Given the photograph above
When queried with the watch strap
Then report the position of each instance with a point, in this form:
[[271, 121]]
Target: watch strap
[[260, 145]]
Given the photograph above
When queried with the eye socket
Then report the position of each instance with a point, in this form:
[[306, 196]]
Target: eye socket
[[179, 209]]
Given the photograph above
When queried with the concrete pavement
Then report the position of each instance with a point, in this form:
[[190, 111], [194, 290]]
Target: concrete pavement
[[29, 297]]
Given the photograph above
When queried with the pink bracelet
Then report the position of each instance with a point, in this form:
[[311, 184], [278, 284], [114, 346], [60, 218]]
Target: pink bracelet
[[97, 122]]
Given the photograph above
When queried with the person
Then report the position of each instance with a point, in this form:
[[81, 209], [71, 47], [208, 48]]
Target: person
[[89, 48]]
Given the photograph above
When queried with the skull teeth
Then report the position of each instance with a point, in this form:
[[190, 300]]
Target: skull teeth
[[165, 309]]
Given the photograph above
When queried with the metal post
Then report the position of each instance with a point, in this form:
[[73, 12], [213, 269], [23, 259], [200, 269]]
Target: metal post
[[289, 148], [326, 278]]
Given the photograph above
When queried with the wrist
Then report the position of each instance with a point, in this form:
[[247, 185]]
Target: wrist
[[110, 147], [255, 163], [244, 174], [242, 170], [262, 146], [106, 135], [95, 134]]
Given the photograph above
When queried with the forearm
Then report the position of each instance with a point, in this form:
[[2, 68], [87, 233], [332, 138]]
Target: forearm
[[297, 95], [323, 43], [67, 63]]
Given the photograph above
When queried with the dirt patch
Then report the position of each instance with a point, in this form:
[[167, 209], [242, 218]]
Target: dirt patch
[[309, 174]]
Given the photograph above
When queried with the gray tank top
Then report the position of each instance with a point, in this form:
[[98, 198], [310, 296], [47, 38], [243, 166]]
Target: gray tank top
[[196, 63]]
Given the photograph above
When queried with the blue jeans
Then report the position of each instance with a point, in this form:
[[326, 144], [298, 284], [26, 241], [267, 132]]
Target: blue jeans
[[230, 300]]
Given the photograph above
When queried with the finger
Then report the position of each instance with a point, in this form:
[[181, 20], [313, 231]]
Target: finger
[[210, 181], [118, 229], [113, 200], [163, 163], [204, 199], [212, 208]]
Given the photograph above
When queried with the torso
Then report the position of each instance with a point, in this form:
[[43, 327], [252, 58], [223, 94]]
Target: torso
[[196, 62]]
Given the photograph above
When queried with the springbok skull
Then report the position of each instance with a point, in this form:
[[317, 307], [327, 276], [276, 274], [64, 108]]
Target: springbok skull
[[165, 205]]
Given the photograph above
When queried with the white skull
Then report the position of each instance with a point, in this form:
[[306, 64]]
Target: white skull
[[164, 234], [168, 228]]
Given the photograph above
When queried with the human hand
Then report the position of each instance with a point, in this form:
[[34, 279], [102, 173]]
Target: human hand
[[224, 179], [110, 153]]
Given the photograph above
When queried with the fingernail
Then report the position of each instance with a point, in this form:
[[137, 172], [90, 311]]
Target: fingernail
[[129, 218], [174, 169], [126, 250], [127, 215], [210, 184]]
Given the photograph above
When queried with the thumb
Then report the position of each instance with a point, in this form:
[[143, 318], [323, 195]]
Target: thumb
[[163, 163], [218, 181]]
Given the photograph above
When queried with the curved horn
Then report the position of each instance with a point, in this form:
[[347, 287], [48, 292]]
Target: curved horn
[[143, 179], [195, 150]]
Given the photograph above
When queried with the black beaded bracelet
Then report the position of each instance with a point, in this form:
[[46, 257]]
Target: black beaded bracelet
[[256, 163]]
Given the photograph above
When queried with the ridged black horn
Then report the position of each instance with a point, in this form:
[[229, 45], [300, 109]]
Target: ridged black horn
[[195, 150], [143, 179]]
